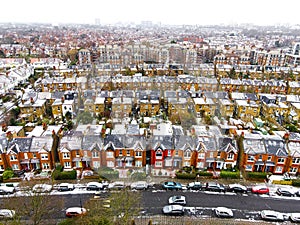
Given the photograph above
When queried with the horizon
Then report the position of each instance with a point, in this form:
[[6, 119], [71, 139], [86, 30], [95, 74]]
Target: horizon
[[217, 12]]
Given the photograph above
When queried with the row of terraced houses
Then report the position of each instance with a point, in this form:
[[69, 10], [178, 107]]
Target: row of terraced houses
[[166, 150]]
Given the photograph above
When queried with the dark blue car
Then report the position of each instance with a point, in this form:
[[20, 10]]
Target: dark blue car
[[171, 185]]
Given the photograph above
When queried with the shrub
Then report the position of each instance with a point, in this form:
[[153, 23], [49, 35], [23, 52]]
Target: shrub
[[190, 176], [7, 174], [256, 175], [65, 175], [230, 174], [296, 182], [204, 174]]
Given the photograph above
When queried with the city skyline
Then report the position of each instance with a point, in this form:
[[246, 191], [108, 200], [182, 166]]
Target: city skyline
[[133, 11]]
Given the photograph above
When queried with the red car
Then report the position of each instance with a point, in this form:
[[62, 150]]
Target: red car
[[260, 190]]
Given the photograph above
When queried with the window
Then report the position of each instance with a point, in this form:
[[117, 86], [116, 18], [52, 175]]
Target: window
[[45, 166], [158, 164], [1, 167], [67, 164], [120, 153], [230, 156], [280, 160], [250, 158], [158, 154], [219, 165], [138, 163], [187, 154], [278, 169], [66, 155], [201, 155], [77, 154], [187, 163], [138, 154], [44, 156], [109, 154], [168, 162], [260, 157], [128, 152], [169, 152], [95, 154], [15, 166], [13, 158], [96, 164], [110, 164], [269, 158], [248, 167], [200, 164], [34, 155], [219, 154], [58, 108], [293, 169], [296, 160]]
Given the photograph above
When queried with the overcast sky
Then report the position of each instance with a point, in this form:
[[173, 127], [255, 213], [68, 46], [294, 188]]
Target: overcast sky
[[260, 12]]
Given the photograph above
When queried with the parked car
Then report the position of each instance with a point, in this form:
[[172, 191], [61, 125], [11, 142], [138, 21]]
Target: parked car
[[237, 188], [173, 210], [7, 213], [260, 190], [284, 192], [171, 185], [272, 215], [38, 188], [94, 186], [295, 217], [75, 211], [118, 185], [66, 187], [196, 185], [5, 190], [177, 199], [213, 186], [140, 185], [223, 212]]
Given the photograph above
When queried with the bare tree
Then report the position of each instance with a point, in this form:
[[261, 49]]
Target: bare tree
[[34, 207]]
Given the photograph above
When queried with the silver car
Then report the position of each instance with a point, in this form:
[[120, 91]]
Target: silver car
[[177, 199], [272, 215], [173, 210]]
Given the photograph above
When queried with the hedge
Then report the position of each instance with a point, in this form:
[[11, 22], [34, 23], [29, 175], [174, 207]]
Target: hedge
[[190, 176], [230, 174], [204, 174], [282, 182], [256, 175], [65, 175], [296, 182]]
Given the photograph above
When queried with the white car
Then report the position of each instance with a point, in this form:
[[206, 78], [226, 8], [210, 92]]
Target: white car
[[295, 217], [272, 215], [117, 185], [139, 185], [75, 211], [177, 199], [173, 210], [4, 190], [223, 212], [7, 213], [42, 188]]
